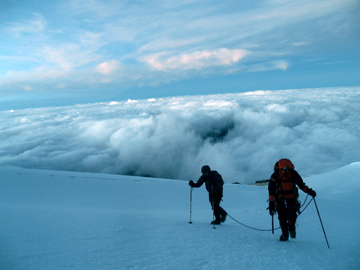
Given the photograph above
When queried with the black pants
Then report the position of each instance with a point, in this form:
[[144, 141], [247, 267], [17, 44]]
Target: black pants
[[287, 212], [215, 199]]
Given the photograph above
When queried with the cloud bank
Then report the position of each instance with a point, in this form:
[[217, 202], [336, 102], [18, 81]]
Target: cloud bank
[[240, 135]]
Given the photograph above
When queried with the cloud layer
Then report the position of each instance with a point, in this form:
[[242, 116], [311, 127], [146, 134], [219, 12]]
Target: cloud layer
[[241, 135]]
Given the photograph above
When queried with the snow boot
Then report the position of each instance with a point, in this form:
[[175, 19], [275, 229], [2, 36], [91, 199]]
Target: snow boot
[[284, 237], [223, 218], [216, 222], [292, 231]]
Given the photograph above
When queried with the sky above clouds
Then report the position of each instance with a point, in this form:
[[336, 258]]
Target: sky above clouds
[[68, 52], [241, 135]]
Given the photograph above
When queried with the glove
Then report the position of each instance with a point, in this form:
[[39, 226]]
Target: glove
[[191, 183], [271, 208], [311, 193]]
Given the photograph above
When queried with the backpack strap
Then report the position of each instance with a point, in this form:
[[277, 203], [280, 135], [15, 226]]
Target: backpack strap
[[278, 184]]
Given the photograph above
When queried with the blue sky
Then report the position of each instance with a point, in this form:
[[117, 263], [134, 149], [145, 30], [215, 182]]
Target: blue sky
[[67, 52]]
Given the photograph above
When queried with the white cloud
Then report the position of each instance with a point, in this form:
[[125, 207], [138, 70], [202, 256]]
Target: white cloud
[[280, 64], [283, 65], [108, 68], [299, 44], [36, 25], [241, 135], [132, 101], [195, 60]]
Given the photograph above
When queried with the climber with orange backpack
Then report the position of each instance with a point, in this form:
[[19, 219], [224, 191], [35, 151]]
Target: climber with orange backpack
[[283, 196]]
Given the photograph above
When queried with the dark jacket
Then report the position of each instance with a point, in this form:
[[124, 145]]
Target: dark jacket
[[213, 182]]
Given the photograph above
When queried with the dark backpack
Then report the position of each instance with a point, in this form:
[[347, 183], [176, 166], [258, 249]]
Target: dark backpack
[[217, 180]]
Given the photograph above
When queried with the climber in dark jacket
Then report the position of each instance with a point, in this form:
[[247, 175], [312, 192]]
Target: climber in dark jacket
[[283, 194], [214, 185]]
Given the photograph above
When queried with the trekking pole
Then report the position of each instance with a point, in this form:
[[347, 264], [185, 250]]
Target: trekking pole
[[321, 223], [190, 204], [272, 224]]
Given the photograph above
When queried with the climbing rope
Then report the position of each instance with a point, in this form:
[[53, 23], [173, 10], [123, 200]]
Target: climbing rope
[[263, 230], [268, 230], [300, 212]]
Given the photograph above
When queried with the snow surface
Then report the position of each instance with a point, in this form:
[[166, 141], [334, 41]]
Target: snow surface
[[71, 220]]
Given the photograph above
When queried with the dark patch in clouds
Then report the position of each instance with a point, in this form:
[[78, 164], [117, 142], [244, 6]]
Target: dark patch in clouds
[[240, 135]]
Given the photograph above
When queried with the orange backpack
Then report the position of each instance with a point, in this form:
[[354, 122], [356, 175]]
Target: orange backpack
[[286, 187]]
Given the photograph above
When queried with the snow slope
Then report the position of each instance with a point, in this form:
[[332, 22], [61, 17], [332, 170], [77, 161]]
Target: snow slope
[[69, 220]]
